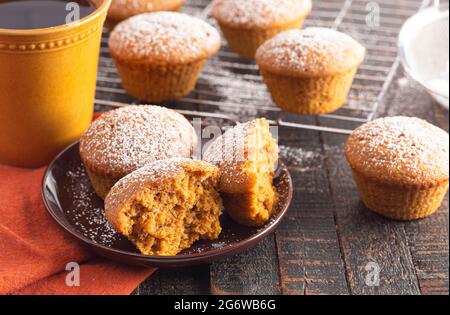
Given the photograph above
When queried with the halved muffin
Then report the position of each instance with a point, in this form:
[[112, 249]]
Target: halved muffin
[[165, 207], [247, 156]]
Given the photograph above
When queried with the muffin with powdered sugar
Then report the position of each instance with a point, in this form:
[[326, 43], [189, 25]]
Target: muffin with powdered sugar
[[310, 71], [159, 56], [400, 165], [126, 139], [123, 9], [248, 24]]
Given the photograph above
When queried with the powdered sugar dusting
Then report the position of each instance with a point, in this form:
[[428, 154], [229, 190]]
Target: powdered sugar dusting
[[156, 171], [310, 50], [128, 138], [400, 147], [301, 158], [151, 174], [129, 7], [259, 13], [164, 37], [239, 145], [89, 220], [134, 6], [122, 9]]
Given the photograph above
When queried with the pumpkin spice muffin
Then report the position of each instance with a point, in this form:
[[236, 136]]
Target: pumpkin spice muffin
[[122, 9], [159, 56], [400, 165], [123, 140], [248, 24], [247, 156], [165, 207], [310, 71]]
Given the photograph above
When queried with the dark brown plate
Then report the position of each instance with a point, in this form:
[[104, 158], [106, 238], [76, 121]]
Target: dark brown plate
[[71, 201]]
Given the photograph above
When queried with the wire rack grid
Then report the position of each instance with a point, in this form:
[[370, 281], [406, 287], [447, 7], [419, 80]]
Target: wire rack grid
[[231, 88]]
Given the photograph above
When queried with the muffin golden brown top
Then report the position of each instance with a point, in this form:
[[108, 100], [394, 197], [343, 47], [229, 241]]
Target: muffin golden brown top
[[401, 151], [122, 9], [251, 14], [163, 38], [310, 52], [123, 140], [241, 153], [154, 175]]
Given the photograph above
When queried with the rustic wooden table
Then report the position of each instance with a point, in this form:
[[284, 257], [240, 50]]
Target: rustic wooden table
[[329, 239], [329, 243]]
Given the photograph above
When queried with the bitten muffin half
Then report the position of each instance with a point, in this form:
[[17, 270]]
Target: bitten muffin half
[[123, 9], [248, 24], [310, 71], [247, 156], [123, 140], [163, 208], [159, 56], [400, 165]]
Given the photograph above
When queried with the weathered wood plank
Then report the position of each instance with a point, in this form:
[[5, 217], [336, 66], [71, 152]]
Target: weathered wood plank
[[428, 239], [253, 272], [178, 281], [307, 245], [367, 239], [328, 237], [413, 256], [307, 242]]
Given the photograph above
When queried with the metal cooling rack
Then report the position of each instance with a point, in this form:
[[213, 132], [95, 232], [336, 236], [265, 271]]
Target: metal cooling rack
[[231, 88]]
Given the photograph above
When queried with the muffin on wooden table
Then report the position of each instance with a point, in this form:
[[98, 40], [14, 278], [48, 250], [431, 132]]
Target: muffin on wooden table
[[310, 71], [123, 9], [165, 207], [248, 24], [400, 165], [247, 156], [159, 56], [123, 140]]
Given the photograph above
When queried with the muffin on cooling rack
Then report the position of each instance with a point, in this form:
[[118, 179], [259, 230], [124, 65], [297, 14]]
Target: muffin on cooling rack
[[123, 140], [248, 24], [123, 9], [310, 71], [247, 156], [400, 165], [159, 56], [165, 207]]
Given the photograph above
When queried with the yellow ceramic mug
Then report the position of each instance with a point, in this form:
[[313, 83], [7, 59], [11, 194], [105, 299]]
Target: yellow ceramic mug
[[47, 87]]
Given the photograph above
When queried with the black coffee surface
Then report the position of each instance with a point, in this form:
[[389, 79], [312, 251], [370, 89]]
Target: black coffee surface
[[35, 14]]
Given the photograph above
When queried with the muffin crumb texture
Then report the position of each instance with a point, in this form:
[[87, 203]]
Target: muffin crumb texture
[[167, 206], [246, 156]]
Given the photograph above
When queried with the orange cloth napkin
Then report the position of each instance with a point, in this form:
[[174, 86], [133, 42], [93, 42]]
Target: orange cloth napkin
[[34, 250]]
